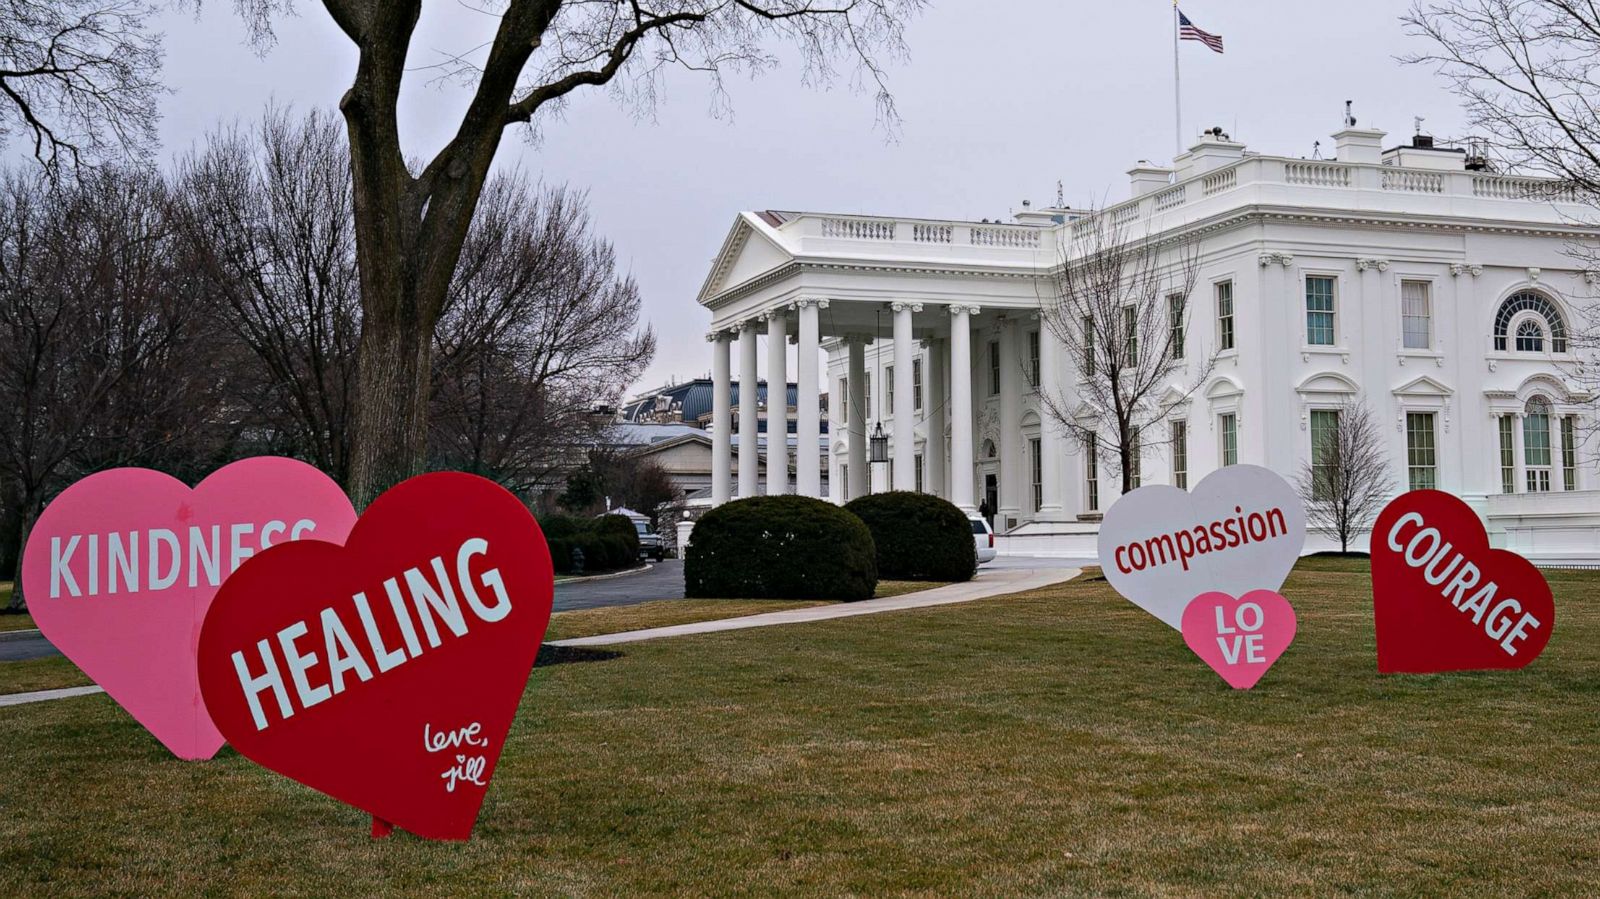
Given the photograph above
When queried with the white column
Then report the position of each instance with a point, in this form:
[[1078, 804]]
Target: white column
[[808, 432], [1519, 458], [1013, 461], [1051, 447], [856, 376], [749, 413], [961, 407], [905, 414], [721, 418], [777, 402], [935, 410]]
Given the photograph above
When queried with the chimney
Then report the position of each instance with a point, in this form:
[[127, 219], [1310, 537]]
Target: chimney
[[1214, 150], [1363, 145], [1148, 177]]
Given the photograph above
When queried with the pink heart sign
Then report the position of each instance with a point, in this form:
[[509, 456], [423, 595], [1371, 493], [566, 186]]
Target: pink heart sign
[[120, 569], [1239, 638]]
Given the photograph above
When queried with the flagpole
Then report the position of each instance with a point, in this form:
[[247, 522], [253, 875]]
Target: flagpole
[[1177, 96]]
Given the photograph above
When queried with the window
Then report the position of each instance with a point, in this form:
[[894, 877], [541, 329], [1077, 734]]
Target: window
[[1536, 444], [1324, 453], [866, 398], [1530, 337], [1130, 331], [1033, 359], [1036, 463], [1088, 346], [916, 384], [1319, 310], [1416, 315], [1091, 476], [1175, 303], [844, 480], [994, 368], [918, 458], [1569, 452], [1230, 438], [1180, 454], [1421, 454], [844, 400], [1224, 315], [1539, 309], [1508, 457], [888, 387]]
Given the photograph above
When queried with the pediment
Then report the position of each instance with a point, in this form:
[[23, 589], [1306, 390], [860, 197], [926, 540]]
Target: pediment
[[1423, 386], [1327, 382], [750, 250], [1223, 387]]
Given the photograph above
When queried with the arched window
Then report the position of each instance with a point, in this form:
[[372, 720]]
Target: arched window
[[988, 449], [1530, 336], [1539, 310], [1536, 443]]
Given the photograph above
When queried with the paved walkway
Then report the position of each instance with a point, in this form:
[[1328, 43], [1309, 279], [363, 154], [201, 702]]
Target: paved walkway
[[989, 582], [46, 695], [664, 580]]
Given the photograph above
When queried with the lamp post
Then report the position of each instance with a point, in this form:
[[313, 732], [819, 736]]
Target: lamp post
[[878, 446]]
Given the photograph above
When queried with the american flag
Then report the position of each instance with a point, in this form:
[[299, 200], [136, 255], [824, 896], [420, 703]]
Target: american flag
[[1188, 32]]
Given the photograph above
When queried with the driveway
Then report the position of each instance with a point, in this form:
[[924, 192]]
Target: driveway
[[664, 580]]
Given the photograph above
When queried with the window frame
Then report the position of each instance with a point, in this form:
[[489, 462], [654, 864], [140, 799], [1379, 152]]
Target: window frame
[[1427, 283], [1036, 471], [1178, 432], [1227, 325], [1313, 416], [1507, 448], [1227, 432], [888, 386], [1177, 309], [1091, 476], [916, 383], [1569, 452], [1414, 465], [1332, 312], [994, 368], [1035, 349]]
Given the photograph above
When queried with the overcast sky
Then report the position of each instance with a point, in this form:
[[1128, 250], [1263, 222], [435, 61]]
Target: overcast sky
[[999, 100]]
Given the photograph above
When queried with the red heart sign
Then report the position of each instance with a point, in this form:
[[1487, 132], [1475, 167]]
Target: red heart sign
[[386, 672], [1443, 600]]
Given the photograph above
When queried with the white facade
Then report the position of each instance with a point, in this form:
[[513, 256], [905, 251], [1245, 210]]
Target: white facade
[[1453, 302]]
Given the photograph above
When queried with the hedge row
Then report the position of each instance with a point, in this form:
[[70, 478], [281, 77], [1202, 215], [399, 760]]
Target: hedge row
[[780, 547], [608, 543]]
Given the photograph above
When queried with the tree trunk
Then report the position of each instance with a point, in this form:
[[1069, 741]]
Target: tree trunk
[[391, 422]]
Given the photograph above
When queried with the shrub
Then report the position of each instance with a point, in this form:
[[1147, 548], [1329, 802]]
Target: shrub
[[780, 547], [919, 537], [621, 527], [608, 543]]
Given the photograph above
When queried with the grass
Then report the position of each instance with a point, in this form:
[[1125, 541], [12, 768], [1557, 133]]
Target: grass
[[40, 674], [667, 612], [1055, 742]]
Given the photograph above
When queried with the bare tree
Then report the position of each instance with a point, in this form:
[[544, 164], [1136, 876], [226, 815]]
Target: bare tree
[[1112, 310], [411, 223], [78, 79], [100, 364], [540, 329], [1346, 482], [267, 218]]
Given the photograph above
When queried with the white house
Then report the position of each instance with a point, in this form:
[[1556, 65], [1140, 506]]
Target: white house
[[1443, 294]]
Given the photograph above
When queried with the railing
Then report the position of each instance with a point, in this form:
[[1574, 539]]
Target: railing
[[1121, 215], [1017, 238], [1503, 187], [1172, 197], [858, 229], [1217, 182], [1320, 174], [1413, 181], [926, 233]]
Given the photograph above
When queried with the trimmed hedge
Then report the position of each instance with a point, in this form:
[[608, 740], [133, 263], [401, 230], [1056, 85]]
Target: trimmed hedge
[[780, 547], [919, 537], [609, 542]]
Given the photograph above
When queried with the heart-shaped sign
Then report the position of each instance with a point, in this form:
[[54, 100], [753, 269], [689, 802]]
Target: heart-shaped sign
[[1240, 529], [1442, 600], [120, 569], [1239, 638], [386, 672]]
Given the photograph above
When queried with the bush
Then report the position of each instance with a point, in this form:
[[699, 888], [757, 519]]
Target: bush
[[780, 547], [609, 543], [919, 537]]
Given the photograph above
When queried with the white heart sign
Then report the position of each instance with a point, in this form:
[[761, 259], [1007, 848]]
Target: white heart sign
[[1240, 529]]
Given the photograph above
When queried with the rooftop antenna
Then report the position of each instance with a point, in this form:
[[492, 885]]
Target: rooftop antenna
[[1416, 124], [1061, 195], [1316, 149], [1349, 118]]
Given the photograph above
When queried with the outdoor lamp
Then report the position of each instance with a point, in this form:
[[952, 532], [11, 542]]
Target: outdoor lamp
[[878, 445]]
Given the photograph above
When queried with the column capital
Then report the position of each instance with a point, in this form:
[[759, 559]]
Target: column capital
[[1283, 259], [722, 334], [778, 313], [752, 323], [901, 306], [960, 308], [1381, 265], [803, 302]]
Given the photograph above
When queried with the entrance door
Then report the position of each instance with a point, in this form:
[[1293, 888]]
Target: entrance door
[[991, 494]]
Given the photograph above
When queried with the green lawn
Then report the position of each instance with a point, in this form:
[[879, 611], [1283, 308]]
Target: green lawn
[[1057, 742]]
